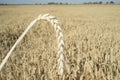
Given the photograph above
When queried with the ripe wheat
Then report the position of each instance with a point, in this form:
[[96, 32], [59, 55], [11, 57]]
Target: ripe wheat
[[59, 35]]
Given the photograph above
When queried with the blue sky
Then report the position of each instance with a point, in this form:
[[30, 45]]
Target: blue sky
[[46, 1]]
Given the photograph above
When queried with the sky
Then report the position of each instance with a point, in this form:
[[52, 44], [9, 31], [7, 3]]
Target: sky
[[46, 1]]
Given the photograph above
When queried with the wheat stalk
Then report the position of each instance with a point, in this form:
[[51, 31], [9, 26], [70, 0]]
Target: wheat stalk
[[59, 35]]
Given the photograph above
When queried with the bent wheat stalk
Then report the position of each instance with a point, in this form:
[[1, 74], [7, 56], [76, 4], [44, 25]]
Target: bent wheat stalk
[[59, 35]]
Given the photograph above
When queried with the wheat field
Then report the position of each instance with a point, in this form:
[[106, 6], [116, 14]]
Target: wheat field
[[91, 36]]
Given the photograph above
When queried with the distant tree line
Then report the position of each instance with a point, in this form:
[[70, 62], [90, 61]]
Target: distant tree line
[[111, 2], [50, 3], [60, 3], [100, 2], [3, 3]]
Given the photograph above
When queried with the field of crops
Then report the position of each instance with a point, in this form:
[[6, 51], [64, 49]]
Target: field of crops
[[91, 36]]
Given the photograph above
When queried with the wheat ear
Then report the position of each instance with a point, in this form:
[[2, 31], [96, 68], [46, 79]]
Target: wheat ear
[[59, 35]]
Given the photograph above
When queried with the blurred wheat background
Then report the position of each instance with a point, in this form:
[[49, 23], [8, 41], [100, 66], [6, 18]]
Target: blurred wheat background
[[91, 35]]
